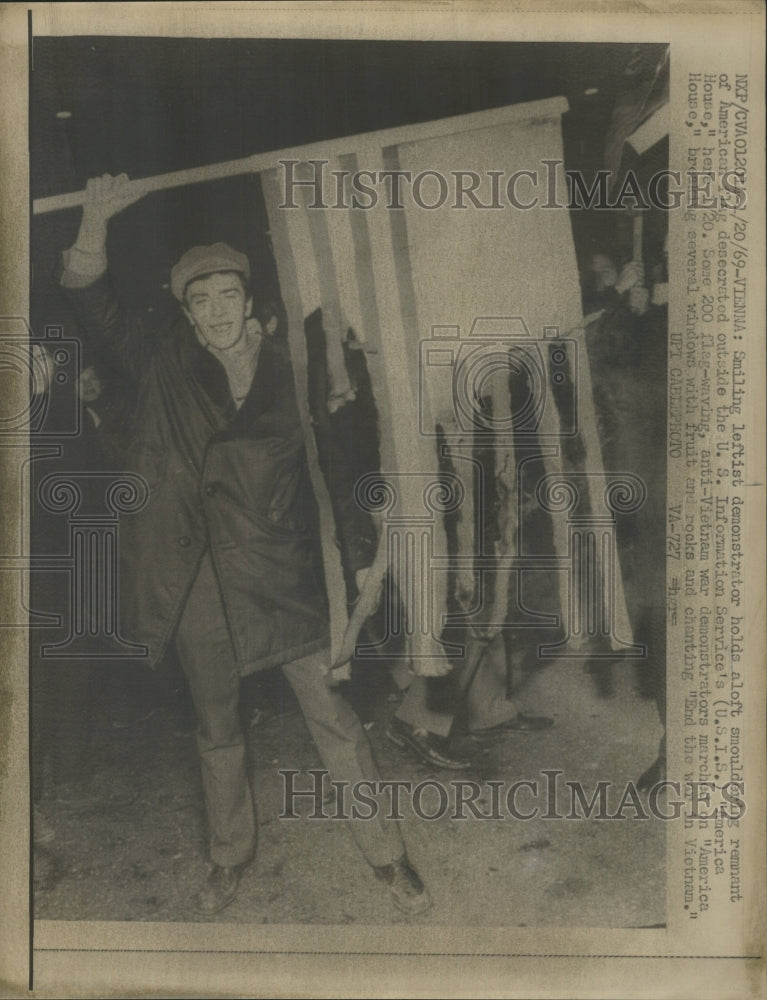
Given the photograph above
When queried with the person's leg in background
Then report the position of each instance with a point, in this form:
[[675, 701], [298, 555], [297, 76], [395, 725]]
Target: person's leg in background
[[488, 705], [424, 722], [423, 728]]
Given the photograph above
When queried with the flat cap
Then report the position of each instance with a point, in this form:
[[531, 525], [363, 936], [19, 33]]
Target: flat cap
[[199, 261]]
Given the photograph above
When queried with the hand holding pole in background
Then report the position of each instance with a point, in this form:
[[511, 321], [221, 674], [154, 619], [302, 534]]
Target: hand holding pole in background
[[631, 276]]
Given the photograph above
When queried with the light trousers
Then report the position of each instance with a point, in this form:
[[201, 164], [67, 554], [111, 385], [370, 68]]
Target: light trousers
[[207, 658]]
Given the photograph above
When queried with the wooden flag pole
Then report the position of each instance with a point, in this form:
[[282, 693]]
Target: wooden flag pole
[[637, 240], [324, 151]]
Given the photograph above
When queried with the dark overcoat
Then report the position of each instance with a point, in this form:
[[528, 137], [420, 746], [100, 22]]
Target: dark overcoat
[[234, 481]]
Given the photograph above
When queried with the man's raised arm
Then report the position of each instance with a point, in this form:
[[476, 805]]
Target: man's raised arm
[[85, 276]]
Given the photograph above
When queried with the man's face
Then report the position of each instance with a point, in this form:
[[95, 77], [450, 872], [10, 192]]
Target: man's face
[[89, 385], [217, 306], [604, 270]]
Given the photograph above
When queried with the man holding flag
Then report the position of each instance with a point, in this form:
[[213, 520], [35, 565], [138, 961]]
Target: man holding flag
[[222, 560]]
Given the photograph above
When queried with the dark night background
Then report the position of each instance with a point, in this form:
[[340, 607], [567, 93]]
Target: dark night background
[[146, 106]]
